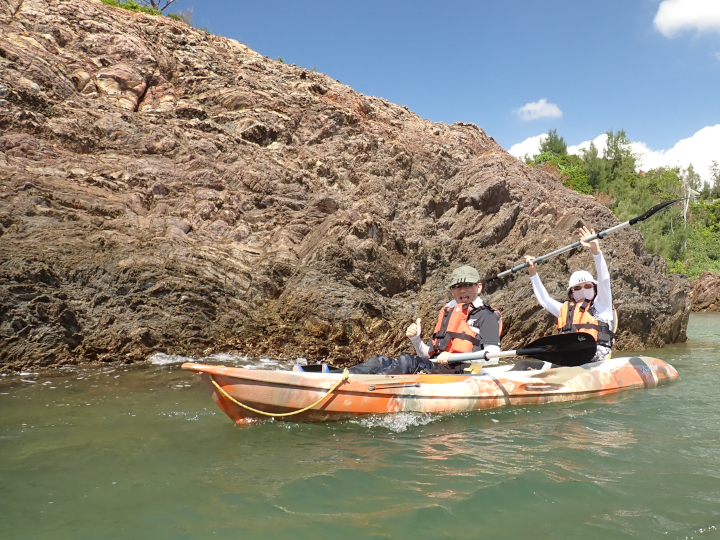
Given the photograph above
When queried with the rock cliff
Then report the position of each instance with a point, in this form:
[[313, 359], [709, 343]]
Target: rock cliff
[[706, 292], [165, 189]]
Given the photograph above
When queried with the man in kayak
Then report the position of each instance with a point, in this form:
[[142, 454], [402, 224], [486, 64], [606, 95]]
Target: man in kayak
[[465, 324], [588, 307]]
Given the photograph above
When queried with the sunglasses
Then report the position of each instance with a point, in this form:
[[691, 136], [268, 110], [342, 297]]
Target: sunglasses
[[462, 285], [581, 287]]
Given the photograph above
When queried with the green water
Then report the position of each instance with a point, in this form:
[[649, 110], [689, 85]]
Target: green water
[[143, 452]]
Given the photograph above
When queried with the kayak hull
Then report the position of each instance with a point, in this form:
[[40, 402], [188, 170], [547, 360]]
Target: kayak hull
[[248, 395]]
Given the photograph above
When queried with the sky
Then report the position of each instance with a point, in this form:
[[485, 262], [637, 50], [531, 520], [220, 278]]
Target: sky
[[516, 68]]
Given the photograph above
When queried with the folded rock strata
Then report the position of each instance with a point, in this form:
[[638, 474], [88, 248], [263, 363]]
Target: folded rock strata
[[165, 189]]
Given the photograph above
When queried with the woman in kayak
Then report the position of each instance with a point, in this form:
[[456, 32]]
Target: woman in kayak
[[465, 324], [588, 307]]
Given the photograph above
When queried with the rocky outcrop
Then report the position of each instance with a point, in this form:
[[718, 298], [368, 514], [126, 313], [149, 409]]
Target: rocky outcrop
[[706, 292], [164, 189]]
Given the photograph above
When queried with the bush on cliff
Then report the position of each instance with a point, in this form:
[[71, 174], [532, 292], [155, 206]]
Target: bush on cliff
[[569, 169], [132, 5]]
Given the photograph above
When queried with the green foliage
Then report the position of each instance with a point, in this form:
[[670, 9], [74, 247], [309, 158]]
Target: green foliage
[[281, 60], [131, 5], [570, 169], [553, 144], [702, 254], [636, 193], [689, 241], [707, 214]]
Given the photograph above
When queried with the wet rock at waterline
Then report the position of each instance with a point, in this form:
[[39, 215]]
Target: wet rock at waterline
[[706, 292], [164, 189]]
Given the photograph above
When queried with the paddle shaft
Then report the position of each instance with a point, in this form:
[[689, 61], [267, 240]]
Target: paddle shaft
[[574, 245], [486, 356], [655, 209]]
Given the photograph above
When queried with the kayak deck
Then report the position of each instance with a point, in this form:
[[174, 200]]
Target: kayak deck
[[247, 395]]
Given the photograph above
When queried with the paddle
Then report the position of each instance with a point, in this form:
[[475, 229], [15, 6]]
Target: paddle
[[654, 210], [571, 349]]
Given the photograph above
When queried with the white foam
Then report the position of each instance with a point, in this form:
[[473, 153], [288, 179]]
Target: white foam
[[232, 360], [162, 359], [396, 422]]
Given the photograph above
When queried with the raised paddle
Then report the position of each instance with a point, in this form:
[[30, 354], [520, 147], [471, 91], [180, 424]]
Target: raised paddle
[[571, 349], [654, 210]]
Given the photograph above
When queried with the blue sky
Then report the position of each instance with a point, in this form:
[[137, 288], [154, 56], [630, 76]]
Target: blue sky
[[602, 63]]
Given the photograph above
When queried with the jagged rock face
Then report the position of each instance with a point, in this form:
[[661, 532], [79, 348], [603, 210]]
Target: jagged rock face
[[164, 189], [706, 292]]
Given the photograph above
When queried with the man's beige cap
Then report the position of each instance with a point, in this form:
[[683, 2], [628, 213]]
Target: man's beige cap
[[464, 275]]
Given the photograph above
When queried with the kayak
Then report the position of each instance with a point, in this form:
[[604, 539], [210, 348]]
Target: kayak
[[249, 395]]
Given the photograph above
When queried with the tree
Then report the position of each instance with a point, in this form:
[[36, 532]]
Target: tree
[[620, 164], [714, 184], [692, 179], [184, 15], [595, 168], [553, 144], [155, 4], [618, 149]]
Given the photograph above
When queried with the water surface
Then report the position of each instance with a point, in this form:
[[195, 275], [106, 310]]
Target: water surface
[[143, 452]]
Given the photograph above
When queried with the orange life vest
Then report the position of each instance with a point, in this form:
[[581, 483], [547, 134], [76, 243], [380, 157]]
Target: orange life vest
[[453, 333], [575, 317]]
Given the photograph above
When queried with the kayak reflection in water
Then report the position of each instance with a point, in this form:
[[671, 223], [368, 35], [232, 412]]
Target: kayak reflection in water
[[465, 324], [588, 307]]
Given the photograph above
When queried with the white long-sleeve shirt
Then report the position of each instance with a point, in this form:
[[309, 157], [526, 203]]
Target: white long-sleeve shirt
[[423, 349], [601, 309]]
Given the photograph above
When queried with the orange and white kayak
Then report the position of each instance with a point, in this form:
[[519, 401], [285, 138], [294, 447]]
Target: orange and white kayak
[[249, 395]]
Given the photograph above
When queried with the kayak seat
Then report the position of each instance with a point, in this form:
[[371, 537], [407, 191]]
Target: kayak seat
[[317, 368]]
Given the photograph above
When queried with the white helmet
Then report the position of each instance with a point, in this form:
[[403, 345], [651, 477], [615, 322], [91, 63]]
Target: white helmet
[[581, 276]]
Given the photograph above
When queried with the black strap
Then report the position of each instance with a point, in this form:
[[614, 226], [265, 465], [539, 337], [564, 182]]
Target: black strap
[[440, 337], [462, 335], [587, 326], [606, 337], [444, 324], [569, 326]]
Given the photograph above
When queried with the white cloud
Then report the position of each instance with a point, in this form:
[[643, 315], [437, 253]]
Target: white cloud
[[674, 16], [529, 147], [539, 109], [700, 150], [600, 143]]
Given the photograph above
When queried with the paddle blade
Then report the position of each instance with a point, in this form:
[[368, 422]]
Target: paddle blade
[[571, 349], [655, 209]]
